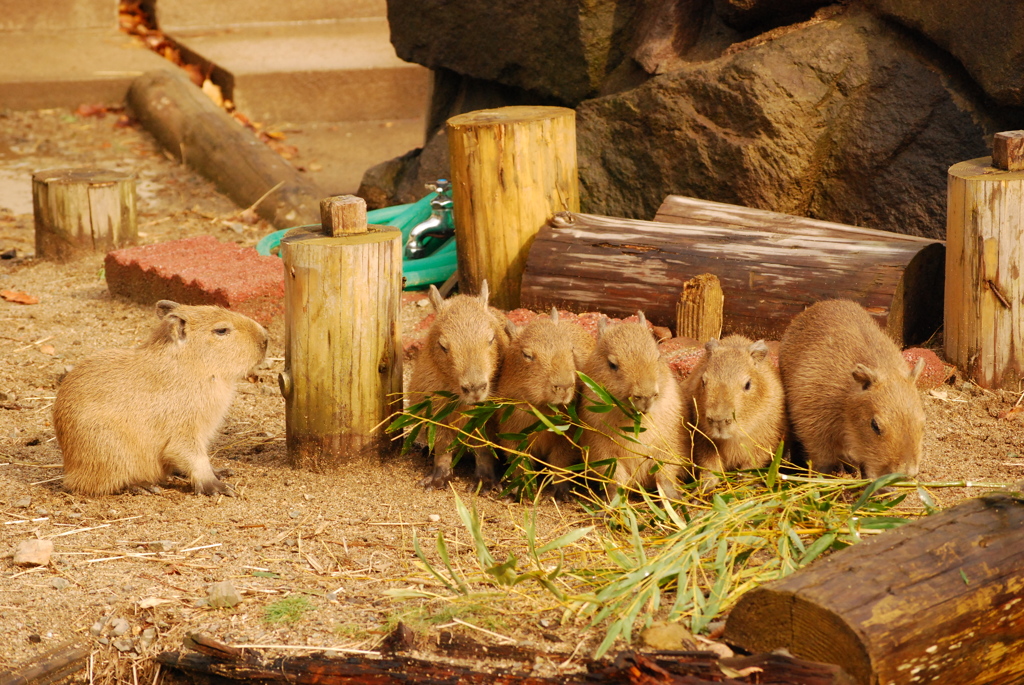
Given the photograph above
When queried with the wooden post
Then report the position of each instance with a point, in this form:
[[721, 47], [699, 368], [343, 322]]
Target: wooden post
[[512, 168], [699, 311], [984, 314], [82, 210], [937, 600], [343, 361]]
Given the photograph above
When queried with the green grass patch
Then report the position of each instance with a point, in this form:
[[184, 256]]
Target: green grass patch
[[287, 610]]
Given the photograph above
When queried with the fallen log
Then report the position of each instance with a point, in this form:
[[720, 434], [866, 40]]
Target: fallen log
[[198, 133], [937, 600], [671, 668], [771, 266], [49, 667]]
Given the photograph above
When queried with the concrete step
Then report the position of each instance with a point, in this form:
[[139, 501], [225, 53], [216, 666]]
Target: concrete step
[[46, 69], [178, 15], [56, 15], [343, 70]]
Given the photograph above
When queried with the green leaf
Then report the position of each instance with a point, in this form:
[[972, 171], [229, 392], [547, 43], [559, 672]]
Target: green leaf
[[567, 539], [927, 500], [817, 547], [773, 468], [876, 485], [504, 572]]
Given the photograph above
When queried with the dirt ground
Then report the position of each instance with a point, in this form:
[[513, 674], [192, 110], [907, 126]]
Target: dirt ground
[[333, 542]]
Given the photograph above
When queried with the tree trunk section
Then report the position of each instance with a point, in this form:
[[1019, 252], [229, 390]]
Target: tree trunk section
[[343, 363], [937, 600], [82, 210], [512, 168], [197, 132], [984, 332], [771, 267], [699, 310]]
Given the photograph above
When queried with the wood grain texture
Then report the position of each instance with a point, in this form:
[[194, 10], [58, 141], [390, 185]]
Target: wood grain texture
[[342, 214], [512, 168], [343, 362], [82, 210], [700, 307], [1008, 151], [984, 292], [935, 601], [768, 276], [203, 136]]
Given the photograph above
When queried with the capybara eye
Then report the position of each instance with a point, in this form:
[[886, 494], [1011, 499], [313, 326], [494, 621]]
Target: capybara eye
[[747, 386], [527, 356], [875, 427], [612, 365], [223, 330], [444, 348]]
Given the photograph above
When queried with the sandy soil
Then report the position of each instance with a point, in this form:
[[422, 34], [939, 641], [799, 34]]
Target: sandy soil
[[337, 540]]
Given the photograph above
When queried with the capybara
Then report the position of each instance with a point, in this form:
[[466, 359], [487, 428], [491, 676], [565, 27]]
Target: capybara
[[850, 397], [627, 363], [461, 355], [540, 369], [131, 417], [734, 413]]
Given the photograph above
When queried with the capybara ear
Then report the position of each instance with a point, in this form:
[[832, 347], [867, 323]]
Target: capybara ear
[[602, 325], [165, 307], [511, 329], [758, 350], [916, 371], [485, 293], [176, 328], [865, 376], [434, 295], [554, 314], [711, 345], [641, 318]]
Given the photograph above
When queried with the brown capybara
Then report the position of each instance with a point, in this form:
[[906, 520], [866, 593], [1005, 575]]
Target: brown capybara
[[627, 363], [540, 369], [131, 417], [461, 355], [850, 396], [734, 412]]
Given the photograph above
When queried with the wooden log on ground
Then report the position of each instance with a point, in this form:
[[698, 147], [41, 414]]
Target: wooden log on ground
[[771, 267], [669, 668], [343, 364], [700, 307], [984, 332], [197, 132], [935, 601], [512, 168], [82, 210], [49, 667]]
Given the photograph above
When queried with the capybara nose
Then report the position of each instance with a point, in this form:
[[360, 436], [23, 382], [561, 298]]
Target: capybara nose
[[643, 402], [474, 392]]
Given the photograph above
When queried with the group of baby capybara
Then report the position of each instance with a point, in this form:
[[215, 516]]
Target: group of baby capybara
[[130, 418]]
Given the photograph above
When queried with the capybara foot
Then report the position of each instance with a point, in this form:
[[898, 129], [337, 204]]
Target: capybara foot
[[213, 487], [438, 479], [482, 484], [151, 489]]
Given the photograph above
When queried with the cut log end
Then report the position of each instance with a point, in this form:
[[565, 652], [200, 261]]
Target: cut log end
[[1008, 151]]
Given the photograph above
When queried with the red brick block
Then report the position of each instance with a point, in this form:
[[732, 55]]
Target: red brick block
[[199, 270]]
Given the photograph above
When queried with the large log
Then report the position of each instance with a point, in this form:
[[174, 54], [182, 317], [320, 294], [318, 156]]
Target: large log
[[984, 332], [343, 366], [82, 210], [771, 266], [197, 132], [512, 168], [937, 600]]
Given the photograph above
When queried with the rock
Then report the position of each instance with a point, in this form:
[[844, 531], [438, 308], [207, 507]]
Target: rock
[[97, 628], [986, 37], [124, 645], [665, 30], [148, 636], [223, 595], [119, 626], [33, 553], [747, 14], [842, 119], [434, 518], [23, 502], [668, 636], [560, 50], [294, 514], [59, 584], [161, 545]]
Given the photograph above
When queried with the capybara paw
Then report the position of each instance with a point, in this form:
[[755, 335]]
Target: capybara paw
[[437, 480], [213, 487], [482, 484], [151, 489], [562, 491]]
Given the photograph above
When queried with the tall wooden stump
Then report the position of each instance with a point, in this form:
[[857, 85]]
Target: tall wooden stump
[[984, 309], [699, 310], [82, 210], [343, 365], [512, 168]]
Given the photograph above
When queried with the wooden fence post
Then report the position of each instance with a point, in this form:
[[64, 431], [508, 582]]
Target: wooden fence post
[[984, 314], [82, 210], [512, 168], [343, 364]]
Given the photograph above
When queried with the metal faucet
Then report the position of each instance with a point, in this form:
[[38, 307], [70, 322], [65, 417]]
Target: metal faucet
[[439, 225]]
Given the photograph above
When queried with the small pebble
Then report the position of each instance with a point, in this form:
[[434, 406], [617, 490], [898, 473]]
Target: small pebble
[[119, 627], [307, 497], [35, 639], [23, 503], [223, 595], [42, 511], [74, 515], [33, 553], [422, 303], [545, 623], [104, 641], [161, 545], [59, 583], [96, 628], [124, 645], [294, 514], [148, 636], [434, 518]]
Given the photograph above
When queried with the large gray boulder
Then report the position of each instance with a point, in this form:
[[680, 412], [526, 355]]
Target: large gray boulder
[[746, 14], [561, 49], [986, 36], [841, 119]]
